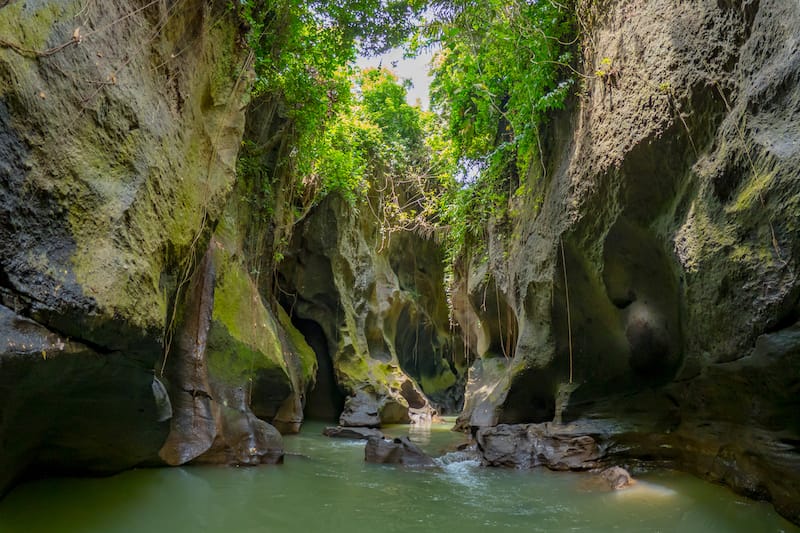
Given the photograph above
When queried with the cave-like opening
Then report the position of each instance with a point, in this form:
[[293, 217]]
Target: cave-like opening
[[325, 400]]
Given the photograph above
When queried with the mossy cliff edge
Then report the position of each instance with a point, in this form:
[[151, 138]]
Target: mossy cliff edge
[[136, 278]]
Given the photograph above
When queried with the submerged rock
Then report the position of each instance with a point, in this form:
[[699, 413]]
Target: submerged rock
[[617, 477], [532, 445], [395, 451], [341, 432]]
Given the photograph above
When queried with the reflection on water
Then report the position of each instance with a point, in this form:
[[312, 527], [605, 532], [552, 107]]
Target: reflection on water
[[327, 487], [420, 434], [643, 490]]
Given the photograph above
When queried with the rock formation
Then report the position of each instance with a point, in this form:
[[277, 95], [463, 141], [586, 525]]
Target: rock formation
[[532, 445], [356, 433], [617, 478], [641, 303], [120, 126], [395, 451], [378, 313]]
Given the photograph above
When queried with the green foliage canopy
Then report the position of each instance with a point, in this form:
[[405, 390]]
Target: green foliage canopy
[[501, 67]]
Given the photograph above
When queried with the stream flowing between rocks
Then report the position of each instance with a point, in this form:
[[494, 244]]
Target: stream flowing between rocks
[[325, 486]]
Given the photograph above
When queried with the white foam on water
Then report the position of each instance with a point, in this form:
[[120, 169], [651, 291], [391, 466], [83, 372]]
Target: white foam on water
[[457, 458], [348, 443], [460, 468]]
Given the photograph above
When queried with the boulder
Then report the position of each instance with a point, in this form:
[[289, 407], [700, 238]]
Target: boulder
[[341, 432], [395, 451], [532, 445]]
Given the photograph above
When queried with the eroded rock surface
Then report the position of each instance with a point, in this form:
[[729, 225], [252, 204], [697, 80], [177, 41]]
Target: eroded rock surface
[[665, 217], [212, 421], [378, 312], [532, 445], [49, 385], [116, 152]]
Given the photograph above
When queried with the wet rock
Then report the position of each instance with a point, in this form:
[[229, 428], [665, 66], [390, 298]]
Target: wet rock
[[532, 445], [243, 440], [395, 451], [289, 418], [341, 432], [212, 422], [65, 408], [617, 477]]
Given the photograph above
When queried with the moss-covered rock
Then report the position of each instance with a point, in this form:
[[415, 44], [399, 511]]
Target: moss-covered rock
[[119, 129]]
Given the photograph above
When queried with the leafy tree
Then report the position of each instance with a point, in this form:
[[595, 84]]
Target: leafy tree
[[501, 69]]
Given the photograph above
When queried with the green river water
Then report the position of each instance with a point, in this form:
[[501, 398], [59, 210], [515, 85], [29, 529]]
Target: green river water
[[326, 487]]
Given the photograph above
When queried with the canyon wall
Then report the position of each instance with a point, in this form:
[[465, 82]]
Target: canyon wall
[[157, 308], [652, 275], [120, 127]]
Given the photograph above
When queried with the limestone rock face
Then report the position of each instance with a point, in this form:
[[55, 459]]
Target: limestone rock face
[[49, 385], [111, 166], [117, 158], [376, 310], [212, 421], [361, 410], [660, 271]]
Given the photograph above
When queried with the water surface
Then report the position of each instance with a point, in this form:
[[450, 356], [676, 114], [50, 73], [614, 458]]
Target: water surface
[[329, 488]]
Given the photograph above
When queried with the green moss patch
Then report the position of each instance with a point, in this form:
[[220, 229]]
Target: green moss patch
[[31, 27], [243, 339], [441, 382], [299, 346]]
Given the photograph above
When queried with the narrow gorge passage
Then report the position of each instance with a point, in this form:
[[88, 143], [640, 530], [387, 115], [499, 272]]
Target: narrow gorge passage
[[226, 227]]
